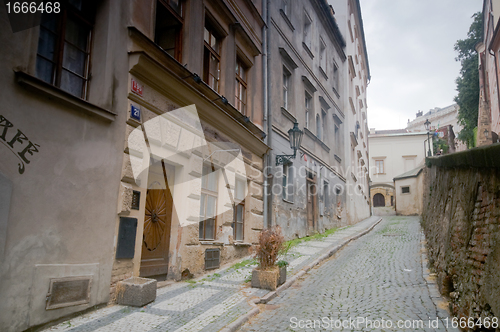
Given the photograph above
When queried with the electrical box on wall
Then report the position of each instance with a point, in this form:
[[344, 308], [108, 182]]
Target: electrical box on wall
[[125, 246]]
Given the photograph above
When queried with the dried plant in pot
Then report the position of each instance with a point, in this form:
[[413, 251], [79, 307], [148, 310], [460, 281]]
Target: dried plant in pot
[[268, 274]]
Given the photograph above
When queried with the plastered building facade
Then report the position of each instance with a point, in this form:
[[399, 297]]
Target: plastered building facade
[[306, 67], [393, 153], [356, 79], [129, 152]]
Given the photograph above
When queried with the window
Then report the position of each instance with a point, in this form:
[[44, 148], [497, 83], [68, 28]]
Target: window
[[63, 56], [335, 77], [308, 104], [326, 196], [323, 124], [168, 29], [286, 87], [286, 7], [307, 30], [405, 190], [379, 164], [288, 182], [241, 87], [208, 204], [239, 213], [211, 56], [322, 55], [319, 127]]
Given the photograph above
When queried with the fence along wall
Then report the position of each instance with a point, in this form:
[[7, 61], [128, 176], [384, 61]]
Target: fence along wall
[[461, 221]]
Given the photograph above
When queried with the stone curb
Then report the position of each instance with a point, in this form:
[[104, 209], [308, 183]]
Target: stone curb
[[234, 326]]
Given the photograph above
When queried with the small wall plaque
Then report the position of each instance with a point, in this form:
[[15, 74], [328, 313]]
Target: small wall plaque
[[135, 113], [136, 87]]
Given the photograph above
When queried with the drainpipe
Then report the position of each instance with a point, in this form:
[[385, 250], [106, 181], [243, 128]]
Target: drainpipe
[[496, 76], [267, 115]]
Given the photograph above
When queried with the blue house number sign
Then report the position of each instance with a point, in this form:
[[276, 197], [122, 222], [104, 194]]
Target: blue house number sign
[[135, 113]]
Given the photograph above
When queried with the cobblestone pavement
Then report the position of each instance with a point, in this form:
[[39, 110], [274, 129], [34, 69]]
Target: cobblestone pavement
[[205, 304], [379, 278]]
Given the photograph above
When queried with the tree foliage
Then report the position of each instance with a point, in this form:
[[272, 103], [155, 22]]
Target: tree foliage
[[468, 81]]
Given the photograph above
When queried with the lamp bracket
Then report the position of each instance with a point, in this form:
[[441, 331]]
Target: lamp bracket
[[284, 159]]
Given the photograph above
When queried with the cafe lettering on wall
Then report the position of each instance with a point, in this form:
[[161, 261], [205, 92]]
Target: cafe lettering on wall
[[16, 142]]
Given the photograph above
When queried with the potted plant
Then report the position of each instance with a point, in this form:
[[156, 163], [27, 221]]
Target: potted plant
[[268, 274]]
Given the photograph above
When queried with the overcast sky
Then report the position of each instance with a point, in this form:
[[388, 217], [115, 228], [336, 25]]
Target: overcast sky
[[411, 56]]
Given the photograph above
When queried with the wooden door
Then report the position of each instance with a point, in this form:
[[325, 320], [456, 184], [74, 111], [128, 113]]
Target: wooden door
[[378, 200], [157, 223], [311, 201]]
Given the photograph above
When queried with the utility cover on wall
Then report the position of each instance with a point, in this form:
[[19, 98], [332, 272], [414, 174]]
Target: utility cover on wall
[[69, 291]]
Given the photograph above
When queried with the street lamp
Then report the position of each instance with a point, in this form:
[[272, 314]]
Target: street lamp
[[427, 125], [295, 136]]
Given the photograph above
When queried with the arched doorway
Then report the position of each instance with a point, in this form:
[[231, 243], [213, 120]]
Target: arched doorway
[[378, 200]]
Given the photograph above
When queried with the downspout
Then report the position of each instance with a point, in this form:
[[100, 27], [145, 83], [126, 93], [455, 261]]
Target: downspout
[[496, 76], [267, 115]]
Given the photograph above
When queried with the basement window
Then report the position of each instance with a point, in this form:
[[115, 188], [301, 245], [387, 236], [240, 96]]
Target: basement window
[[405, 190]]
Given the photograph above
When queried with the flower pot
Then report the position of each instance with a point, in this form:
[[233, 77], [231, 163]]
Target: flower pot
[[266, 279]]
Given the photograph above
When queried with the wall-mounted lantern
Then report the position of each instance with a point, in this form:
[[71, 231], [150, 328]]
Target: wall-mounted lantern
[[295, 135], [427, 125]]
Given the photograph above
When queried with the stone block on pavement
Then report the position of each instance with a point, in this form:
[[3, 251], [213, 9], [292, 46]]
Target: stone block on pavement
[[136, 291]]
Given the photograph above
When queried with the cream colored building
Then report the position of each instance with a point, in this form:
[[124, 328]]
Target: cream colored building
[[439, 118], [349, 18], [392, 152], [409, 192]]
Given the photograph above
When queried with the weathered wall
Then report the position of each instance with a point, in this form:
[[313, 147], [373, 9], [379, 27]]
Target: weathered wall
[[461, 220]]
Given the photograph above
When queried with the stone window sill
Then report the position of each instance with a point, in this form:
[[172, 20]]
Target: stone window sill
[[63, 97], [211, 243], [242, 244]]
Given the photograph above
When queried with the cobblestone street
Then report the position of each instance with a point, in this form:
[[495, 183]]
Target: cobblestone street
[[379, 277]]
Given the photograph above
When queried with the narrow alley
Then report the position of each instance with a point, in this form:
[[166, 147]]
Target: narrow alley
[[380, 278]]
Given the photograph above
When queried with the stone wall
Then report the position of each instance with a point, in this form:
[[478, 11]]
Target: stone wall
[[461, 221]]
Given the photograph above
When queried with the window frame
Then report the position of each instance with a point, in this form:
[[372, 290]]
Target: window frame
[[308, 106], [403, 190], [241, 85], [379, 170], [288, 182], [180, 19], [205, 193], [209, 52], [241, 205], [81, 18], [287, 75], [322, 55], [307, 31]]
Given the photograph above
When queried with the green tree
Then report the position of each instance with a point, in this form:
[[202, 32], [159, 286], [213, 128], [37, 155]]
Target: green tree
[[468, 81]]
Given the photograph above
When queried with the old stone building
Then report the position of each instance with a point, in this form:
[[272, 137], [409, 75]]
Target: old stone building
[[306, 66], [132, 145], [488, 127], [355, 80]]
